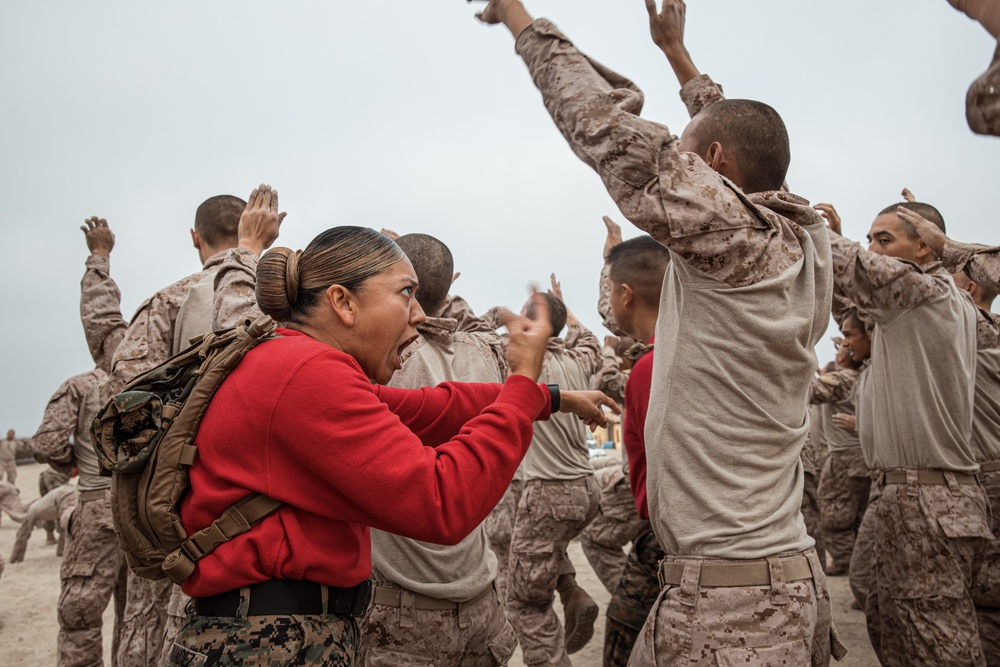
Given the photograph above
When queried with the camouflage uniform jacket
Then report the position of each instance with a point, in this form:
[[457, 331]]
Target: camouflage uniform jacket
[[150, 335], [101, 311], [980, 262]]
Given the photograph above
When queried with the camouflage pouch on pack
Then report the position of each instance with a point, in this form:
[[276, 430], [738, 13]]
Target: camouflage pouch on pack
[[144, 436]]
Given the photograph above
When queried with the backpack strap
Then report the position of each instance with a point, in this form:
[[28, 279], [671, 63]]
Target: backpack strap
[[235, 520]]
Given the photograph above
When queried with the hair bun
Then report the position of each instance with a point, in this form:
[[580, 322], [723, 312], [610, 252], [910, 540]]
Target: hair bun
[[277, 273]]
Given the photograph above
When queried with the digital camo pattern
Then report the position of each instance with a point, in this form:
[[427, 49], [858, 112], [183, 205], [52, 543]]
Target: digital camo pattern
[[832, 387], [101, 311], [549, 515], [177, 618], [617, 523], [144, 621], [982, 101], [475, 635], [149, 338], [93, 570], [56, 506], [10, 502], [49, 480], [53, 441], [266, 641], [928, 537], [862, 570], [844, 486], [787, 623], [632, 599], [986, 578], [980, 262], [609, 377], [499, 529], [734, 238], [235, 296], [699, 93]]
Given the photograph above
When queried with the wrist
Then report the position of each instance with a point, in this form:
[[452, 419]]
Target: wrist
[[253, 246], [555, 396]]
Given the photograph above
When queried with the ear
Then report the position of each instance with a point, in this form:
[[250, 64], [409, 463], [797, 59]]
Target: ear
[[715, 156], [628, 294], [343, 304], [196, 240], [973, 289], [924, 250]]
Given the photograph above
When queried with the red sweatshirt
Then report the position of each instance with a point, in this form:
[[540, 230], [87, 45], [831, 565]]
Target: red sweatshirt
[[298, 421], [634, 427]]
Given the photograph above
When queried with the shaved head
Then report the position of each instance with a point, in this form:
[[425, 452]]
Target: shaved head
[[434, 266], [640, 263], [752, 133], [920, 208], [557, 312], [217, 220]]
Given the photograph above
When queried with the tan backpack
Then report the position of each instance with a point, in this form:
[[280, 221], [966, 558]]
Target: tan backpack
[[144, 436]]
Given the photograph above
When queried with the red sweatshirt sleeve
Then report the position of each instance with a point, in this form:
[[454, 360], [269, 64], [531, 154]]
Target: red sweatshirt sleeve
[[633, 430], [335, 449]]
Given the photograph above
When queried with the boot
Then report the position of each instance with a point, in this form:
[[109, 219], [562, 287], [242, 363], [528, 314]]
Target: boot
[[982, 102], [579, 610]]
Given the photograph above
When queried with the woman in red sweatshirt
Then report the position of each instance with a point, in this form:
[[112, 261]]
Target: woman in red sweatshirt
[[305, 420]]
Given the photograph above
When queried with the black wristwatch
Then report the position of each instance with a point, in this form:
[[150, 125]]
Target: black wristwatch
[[556, 399]]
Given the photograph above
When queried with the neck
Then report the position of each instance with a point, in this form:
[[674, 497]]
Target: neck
[[645, 324]]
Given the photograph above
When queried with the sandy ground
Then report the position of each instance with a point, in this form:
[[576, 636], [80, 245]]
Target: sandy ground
[[29, 593]]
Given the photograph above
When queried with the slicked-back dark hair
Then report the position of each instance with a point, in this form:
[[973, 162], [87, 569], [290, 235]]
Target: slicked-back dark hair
[[640, 263], [754, 134], [926, 210], [434, 266], [217, 220], [557, 312]]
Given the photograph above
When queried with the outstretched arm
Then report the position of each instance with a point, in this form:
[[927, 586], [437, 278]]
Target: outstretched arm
[[675, 197], [100, 298]]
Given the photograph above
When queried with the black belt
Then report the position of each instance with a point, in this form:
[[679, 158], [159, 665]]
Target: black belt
[[286, 597]]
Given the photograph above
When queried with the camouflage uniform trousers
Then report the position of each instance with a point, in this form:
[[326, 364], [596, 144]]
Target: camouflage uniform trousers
[[93, 570], [986, 580], [177, 618], [632, 599], [549, 515], [476, 634], [616, 524], [862, 574], [811, 515], [48, 480], [144, 621], [929, 536], [499, 528], [266, 641], [786, 623], [843, 491], [9, 468]]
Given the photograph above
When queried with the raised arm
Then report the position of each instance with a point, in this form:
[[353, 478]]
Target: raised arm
[[235, 298], [675, 197], [832, 387], [100, 298], [613, 238], [874, 283]]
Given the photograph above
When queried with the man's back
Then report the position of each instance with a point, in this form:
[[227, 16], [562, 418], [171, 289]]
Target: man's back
[[728, 407]]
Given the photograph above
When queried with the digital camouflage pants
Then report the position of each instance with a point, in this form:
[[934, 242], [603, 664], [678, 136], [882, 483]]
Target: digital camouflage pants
[[549, 515], [144, 621], [499, 528], [843, 491], [266, 641], [476, 634], [616, 524], [986, 580], [928, 538], [92, 572], [632, 599], [786, 623]]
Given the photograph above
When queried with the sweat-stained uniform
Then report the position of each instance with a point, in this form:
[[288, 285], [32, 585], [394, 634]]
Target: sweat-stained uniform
[[915, 422], [560, 498], [93, 567], [150, 340], [438, 604], [844, 482], [745, 300]]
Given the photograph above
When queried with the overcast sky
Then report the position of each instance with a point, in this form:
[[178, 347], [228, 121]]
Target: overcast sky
[[410, 115]]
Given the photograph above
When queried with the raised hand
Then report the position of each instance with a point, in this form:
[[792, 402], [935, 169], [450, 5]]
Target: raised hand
[[614, 236], [666, 26], [908, 196], [100, 238], [556, 289], [509, 12], [831, 215], [930, 234], [260, 221], [528, 339], [845, 421]]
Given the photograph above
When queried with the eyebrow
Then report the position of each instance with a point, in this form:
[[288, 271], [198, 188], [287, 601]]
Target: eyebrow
[[881, 233]]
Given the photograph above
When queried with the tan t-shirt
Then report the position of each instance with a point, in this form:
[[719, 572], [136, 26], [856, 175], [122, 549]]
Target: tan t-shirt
[[463, 571], [986, 408]]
